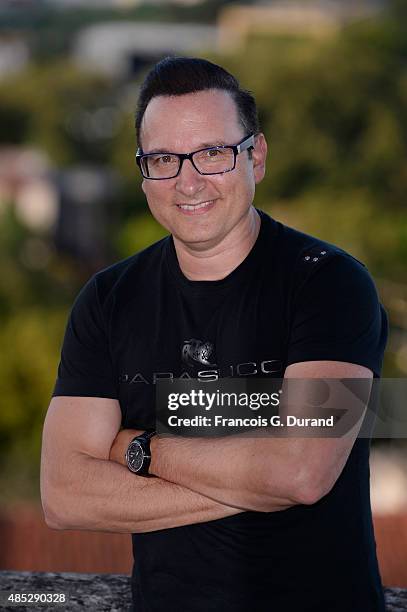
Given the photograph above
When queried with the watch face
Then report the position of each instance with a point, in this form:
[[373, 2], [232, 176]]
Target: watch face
[[135, 456]]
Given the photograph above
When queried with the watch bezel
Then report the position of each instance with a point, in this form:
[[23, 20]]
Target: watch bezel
[[132, 446]]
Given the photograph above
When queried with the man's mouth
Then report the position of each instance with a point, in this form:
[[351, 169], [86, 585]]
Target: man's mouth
[[195, 207]]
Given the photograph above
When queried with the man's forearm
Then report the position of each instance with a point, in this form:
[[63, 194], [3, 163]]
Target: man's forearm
[[234, 471], [251, 473], [261, 474], [105, 496]]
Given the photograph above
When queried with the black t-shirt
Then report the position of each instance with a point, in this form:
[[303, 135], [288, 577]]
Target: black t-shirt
[[294, 298]]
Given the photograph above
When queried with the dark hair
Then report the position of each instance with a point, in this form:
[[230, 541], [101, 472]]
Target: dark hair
[[175, 76]]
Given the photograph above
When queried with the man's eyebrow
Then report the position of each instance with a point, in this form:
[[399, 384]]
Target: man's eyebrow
[[204, 145]]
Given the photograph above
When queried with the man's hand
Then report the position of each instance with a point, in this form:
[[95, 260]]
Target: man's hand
[[120, 444]]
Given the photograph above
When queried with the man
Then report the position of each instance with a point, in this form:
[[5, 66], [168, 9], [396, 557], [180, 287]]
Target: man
[[229, 524]]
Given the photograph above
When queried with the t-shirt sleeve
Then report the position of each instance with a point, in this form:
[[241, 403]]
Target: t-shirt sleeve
[[337, 316], [85, 368]]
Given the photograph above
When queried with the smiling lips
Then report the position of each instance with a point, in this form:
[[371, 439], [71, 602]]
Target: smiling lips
[[196, 208]]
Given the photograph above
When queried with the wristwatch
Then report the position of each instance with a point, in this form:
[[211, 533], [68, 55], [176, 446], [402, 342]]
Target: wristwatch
[[138, 454]]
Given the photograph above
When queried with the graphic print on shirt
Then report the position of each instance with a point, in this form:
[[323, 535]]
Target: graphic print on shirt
[[195, 352]]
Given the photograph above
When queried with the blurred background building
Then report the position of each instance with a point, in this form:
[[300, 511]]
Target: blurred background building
[[330, 79], [122, 49]]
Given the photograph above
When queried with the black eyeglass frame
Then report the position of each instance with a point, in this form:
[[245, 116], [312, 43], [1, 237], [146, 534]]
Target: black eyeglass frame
[[245, 144]]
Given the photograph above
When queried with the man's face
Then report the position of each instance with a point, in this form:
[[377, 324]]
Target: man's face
[[186, 123]]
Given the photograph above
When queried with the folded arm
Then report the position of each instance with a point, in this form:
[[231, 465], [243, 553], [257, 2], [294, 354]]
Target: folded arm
[[82, 489], [263, 474]]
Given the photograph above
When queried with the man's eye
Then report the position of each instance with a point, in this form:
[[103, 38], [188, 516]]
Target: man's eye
[[213, 152], [166, 159], [160, 160]]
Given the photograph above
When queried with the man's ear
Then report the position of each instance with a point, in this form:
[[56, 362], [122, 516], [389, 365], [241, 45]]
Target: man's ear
[[143, 185], [259, 155]]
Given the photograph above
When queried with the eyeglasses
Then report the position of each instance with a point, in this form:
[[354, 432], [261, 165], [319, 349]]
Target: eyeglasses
[[212, 160]]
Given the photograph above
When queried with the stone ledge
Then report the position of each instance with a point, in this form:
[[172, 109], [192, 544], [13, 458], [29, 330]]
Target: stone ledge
[[103, 592], [91, 592]]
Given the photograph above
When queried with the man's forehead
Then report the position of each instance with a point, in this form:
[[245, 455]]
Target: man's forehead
[[204, 117]]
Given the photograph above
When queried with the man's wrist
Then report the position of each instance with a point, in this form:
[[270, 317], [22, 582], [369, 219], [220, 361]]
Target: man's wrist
[[121, 443]]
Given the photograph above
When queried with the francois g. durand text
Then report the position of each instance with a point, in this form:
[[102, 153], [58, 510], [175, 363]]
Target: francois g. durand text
[[273, 421]]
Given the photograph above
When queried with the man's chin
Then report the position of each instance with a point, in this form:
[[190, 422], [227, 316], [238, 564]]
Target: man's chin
[[197, 239]]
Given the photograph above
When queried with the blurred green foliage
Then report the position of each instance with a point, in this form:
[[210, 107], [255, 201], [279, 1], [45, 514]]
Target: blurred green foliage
[[43, 106], [334, 113]]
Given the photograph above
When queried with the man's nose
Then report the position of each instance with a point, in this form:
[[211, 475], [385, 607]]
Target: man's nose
[[189, 181]]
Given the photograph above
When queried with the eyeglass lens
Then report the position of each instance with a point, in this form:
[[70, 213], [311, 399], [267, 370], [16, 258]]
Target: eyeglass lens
[[208, 161]]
